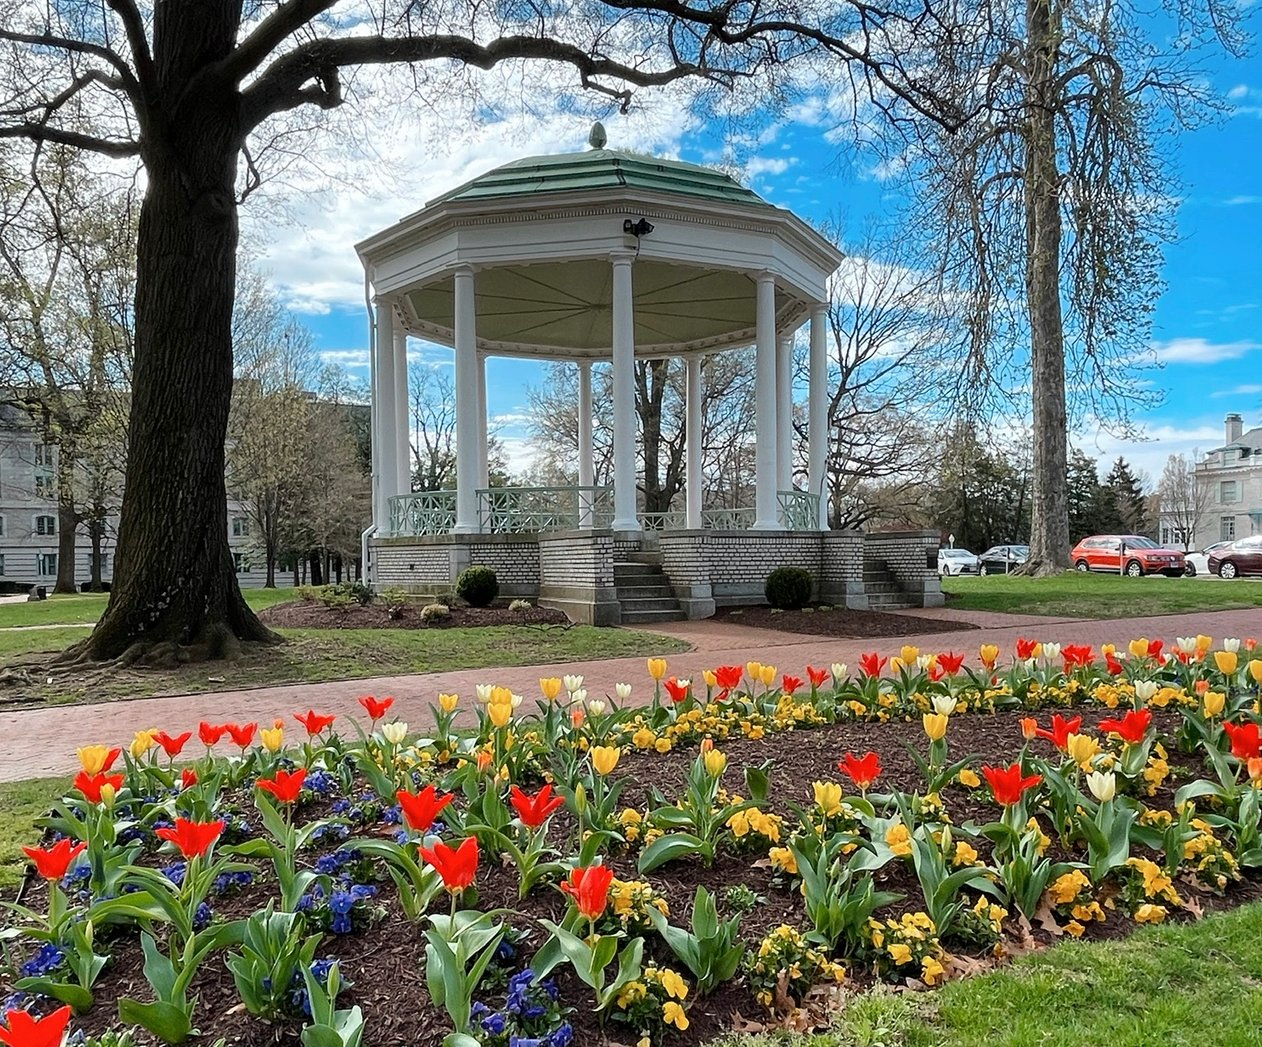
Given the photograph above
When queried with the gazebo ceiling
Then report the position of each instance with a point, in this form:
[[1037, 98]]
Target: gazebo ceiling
[[567, 306]]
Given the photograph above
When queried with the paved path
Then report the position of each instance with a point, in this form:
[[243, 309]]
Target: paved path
[[42, 741]]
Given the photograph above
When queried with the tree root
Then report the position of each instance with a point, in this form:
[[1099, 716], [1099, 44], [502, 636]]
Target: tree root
[[1039, 569]]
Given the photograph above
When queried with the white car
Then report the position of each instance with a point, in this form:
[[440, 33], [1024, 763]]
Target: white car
[[1198, 563], [957, 562]]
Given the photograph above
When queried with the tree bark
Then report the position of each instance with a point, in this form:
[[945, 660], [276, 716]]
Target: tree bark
[[67, 527], [175, 592], [1049, 525], [96, 534]]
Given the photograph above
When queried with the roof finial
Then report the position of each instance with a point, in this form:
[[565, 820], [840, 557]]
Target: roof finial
[[598, 137]]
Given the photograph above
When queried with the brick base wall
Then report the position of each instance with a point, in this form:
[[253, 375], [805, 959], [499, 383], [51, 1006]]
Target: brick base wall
[[912, 557], [576, 576]]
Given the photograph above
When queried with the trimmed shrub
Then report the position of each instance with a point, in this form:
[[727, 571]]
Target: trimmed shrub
[[788, 588], [477, 586]]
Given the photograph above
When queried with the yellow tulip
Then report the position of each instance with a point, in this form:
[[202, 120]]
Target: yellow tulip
[[754, 671], [500, 713], [715, 763], [605, 758], [1139, 648], [272, 738], [143, 742], [768, 675], [94, 758], [1213, 703], [909, 654], [108, 792], [501, 696], [1203, 644], [448, 702], [1255, 669], [710, 679], [1109, 648], [1082, 748], [657, 668], [551, 687], [935, 725], [828, 797], [989, 654], [1227, 662]]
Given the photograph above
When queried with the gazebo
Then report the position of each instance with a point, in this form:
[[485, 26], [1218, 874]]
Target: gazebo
[[598, 256]]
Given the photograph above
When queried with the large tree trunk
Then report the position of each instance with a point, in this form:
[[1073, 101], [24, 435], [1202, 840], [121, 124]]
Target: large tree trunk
[[175, 592], [96, 534], [1049, 525], [67, 528]]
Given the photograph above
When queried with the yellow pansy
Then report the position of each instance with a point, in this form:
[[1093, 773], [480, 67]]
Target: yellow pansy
[[900, 953], [673, 984], [605, 758], [673, 1014], [931, 971], [783, 859], [968, 779], [1149, 913], [643, 738], [899, 839], [965, 854], [662, 745]]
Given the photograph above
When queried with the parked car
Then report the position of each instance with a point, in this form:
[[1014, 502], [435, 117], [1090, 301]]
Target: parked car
[[1133, 553], [1239, 557], [1198, 563], [957, 562], [1001, 559]]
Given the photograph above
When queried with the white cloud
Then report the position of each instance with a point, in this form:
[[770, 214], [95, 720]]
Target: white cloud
[[1238, 92], [350, 358], [757, 166], [1149, 456], [1238, 201], [1201, 350], [1239, 390]]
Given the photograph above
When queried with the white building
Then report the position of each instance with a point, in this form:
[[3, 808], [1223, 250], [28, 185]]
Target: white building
[[29, 542], [1233, 475]]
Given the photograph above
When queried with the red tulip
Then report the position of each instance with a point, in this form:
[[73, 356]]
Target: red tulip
[[1246, 740], [729, 676], [420, 809], [314, 722], [534, 810], [677, 691], [1061, 730], [188, 777], [241, 734], [1007, 783], [1132, 727], [951, 662], [25, 1030], [818, 677], [53, 862], [191, 838], [871, 664], [862, 770], [1077, 654], [285, 785], [1026, 648], [456, 865], [375, 707], [1154, 649], [92, 784], [789, 684], [210, 733], [172, 745], [936, 672], [589, 888], [1113, 665]]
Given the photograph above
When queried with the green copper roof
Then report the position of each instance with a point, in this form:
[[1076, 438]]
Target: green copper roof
[[597, 169]]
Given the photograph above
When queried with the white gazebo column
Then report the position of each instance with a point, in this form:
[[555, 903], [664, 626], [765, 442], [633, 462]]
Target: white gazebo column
[[466, 348], [624, 515], [385, 419], [766, 517], [402, 432], [692, 444], [817, 401], [484, 475], [784, 411], [586, 463]]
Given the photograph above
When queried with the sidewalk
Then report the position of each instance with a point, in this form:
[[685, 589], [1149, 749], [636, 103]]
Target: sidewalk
[[43, 741]]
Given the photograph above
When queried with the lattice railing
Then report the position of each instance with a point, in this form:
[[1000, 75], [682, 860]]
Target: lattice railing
[[424, 512], [531, 510], [799, 510]]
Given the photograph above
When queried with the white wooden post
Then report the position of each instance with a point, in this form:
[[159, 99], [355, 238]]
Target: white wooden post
[[766, 516], [466, 350], [402, 430], [692, 444], [484, 475], [818, 409], [586, 451], [387, 471], [784, 411], [624, 514]]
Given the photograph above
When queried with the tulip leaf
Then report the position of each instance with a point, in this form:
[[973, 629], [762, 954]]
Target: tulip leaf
[[667, 849], [165, 1020], [78, 997]]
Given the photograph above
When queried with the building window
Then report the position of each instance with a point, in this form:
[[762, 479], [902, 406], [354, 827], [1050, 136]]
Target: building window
[[46, 564], [45, 485], [1227, 529], [240, 527], [240, 562], [44, 455], [1228, 492], [1, 565], [46, 525], [1, 526]]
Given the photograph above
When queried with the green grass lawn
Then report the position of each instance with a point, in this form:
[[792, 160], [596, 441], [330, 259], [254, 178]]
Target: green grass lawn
[[20, 804], [1178, 986], [1074, 595], [86, 608]]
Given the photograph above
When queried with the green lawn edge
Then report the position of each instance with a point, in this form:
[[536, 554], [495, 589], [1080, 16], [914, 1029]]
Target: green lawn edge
[[1075, 595]]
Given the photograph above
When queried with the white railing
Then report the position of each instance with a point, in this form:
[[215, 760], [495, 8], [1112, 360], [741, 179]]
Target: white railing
[[531, 510], [799, 510], [424, 512]]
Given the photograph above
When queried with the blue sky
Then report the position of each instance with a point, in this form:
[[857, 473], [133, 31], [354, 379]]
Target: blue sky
[[1208, 321]]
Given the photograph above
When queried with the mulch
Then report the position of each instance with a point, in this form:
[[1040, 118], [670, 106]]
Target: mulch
[[385, 965], [311, 614], [838, 621]]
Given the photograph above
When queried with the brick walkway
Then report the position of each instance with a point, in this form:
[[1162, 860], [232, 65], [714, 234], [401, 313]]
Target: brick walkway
[[43, 741]]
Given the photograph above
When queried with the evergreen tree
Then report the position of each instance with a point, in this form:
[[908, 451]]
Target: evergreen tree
[[1130, 504], [1083, 484]]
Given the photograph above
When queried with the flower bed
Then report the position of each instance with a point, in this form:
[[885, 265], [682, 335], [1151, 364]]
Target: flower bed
[[579, 868]]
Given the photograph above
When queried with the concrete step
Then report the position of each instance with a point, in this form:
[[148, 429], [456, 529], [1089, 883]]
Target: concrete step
[[635, 567], [648, 603], [645, 556], [881, 588], [646, 592], [630, 617], [887, 602]]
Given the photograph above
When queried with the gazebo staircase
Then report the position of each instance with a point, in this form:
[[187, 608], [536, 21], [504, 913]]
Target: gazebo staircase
[[882, 588], [644, 590]]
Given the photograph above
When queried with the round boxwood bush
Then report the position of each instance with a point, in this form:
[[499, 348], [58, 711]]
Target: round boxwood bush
[[477, 586], [789, 588]]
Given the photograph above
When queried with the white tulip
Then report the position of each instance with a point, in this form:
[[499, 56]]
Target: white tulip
[[579, 696], [572, 683], [922, 661], [839, 670], [1051, 651], [944, 704], [1231, 644], [515, 700], [622, 690], [394, 732], [484, 692], [596, 706], [1145, 690], [1103, 786], [684, 683], [1186, 644]]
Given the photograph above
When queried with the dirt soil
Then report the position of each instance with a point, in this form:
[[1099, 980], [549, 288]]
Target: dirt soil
[[384, 960], [311, 614], [838, 621]]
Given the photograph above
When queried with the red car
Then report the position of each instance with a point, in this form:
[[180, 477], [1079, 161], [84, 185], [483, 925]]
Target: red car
[[1242, 557], [1133, 553]]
